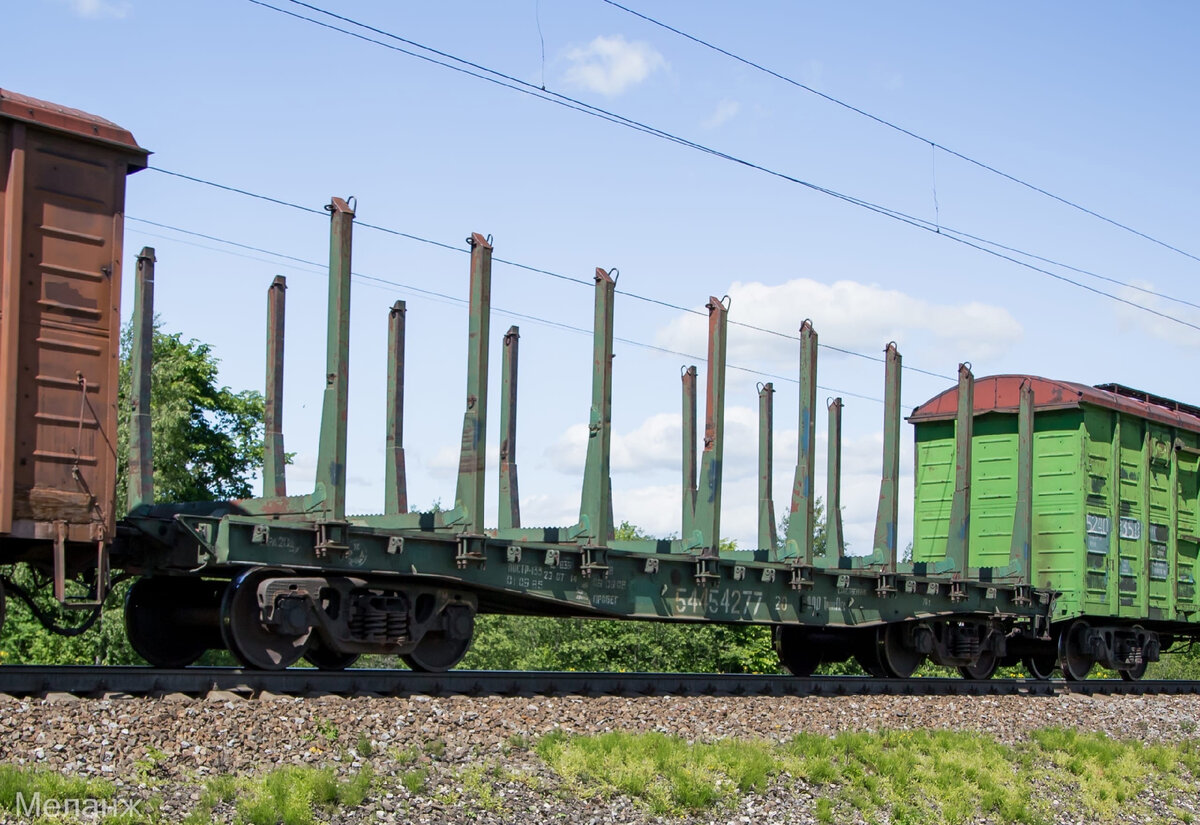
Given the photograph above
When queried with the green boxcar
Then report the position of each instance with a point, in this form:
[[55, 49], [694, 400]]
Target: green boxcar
[[1115, 484]]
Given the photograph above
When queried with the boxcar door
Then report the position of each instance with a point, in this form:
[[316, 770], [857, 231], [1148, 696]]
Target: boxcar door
[[1133, 503], [1186, 534], [1160, 592]]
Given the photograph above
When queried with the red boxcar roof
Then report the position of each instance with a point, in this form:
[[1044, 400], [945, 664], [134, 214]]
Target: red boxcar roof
[[1001, 393], [62, 119]]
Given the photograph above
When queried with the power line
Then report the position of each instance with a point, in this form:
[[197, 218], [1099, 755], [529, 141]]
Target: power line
[[501, 79], [891, 125], [522, 266], [429, 293]]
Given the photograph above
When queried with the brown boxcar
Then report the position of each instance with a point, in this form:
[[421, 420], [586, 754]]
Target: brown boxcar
[[62, 204]]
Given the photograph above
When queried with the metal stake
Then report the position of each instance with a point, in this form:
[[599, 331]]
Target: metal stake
[[141, 450], [595, 510], [959, 538], [331, 452], [395, 481], [708, 495], [887, 514], [766, 464], [834, 545], [800, 518], [510, 501], [274, 481], [473, 460], [1021, 550], [688, 377]]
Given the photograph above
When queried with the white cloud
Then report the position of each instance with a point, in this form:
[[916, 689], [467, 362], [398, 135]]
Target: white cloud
[[726, 110], [610, 65], [646, 489], [443, 464], [1154, 325], [847, 314], [657, 444], [95, 9]]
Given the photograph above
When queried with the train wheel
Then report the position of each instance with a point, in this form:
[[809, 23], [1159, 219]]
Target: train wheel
[[171, 622], [1041, 665], [1073, 658], [1132, 674], [896, 654], [436, 652], [983, 668], [322, 658], [245, 635], [797, 653]]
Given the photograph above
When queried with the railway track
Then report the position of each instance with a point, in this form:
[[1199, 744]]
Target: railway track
[[35, 681]]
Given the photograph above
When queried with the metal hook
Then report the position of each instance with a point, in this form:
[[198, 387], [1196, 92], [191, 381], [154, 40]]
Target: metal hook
[[726, 302], [759, 387], [615, 274]]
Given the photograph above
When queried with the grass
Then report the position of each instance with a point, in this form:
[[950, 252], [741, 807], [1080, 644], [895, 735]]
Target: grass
[[904, 777], [292, 795], [414, 780]]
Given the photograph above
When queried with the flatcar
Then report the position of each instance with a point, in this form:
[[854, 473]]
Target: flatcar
[[282, 577]]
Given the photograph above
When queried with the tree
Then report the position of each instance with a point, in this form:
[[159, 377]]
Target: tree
[[207, 439], [537, 643], [819, 529], [207, 446]]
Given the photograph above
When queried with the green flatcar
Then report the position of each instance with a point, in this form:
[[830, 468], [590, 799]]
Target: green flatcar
[[1115, 515]]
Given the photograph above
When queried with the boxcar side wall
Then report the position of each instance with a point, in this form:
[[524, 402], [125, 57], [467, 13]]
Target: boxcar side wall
[[63, 228]]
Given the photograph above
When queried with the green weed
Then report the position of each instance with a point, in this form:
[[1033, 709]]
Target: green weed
[[414, 780]]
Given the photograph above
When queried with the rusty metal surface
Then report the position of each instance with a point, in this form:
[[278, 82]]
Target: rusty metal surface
[[54, 117], [1002, 394], [707, 524], [63, 190]]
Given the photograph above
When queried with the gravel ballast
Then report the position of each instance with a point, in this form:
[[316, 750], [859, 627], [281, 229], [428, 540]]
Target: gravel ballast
[[169, 746]]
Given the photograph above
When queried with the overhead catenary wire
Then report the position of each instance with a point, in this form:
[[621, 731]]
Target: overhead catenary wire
[[902, 130], [317, 267], [533, 269], [499, 78]]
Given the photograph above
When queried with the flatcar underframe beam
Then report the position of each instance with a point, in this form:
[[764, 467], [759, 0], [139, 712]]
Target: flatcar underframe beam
[[637, 583]]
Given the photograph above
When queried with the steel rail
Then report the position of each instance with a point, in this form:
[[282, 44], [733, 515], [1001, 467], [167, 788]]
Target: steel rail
[[36, 681]]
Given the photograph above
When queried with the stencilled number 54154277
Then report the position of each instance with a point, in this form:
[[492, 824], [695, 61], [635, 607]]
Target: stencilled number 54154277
[[718, 601]]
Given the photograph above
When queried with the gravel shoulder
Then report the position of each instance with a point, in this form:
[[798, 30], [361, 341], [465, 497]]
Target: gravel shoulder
[[473, 753]]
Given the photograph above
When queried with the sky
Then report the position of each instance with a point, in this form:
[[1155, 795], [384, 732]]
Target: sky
[[1095, 103]]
